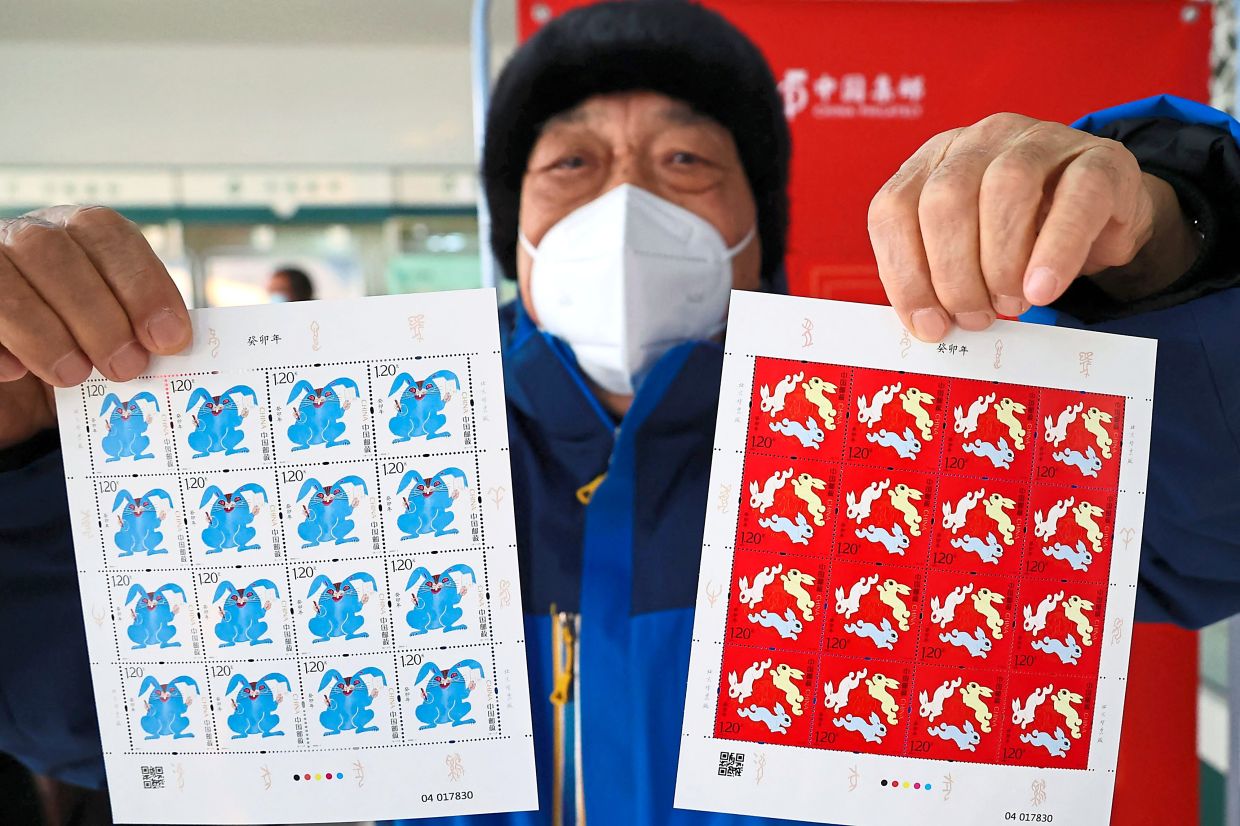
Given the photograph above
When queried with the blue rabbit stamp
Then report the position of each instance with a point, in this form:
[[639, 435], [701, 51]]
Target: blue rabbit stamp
[[217, 424], [229, 518], [437, 599], [326, 516], [152, 616], [140, 522], [319, 413], [428, 506], [420, 405], [338, 612], [445, 694], [166, 707], [126, 423], [255, 705], [243, 614], [349, 701]]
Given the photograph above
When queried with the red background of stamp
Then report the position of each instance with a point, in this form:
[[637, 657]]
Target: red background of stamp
[[978, 524], [967, 619], [797, 407], [1068, 532], [776, 599], [1052, 403], [989, 429], [855, 480], [861, 703], [836, 558], [955, 712], [730, 725], [1046, 718]]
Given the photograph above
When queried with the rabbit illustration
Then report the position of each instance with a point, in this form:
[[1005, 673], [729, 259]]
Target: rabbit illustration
[[741, 689], [799, 532], [977, 643], [942, 614], [895, 540], [787, 625], [153, 615], [1057, 430], [859, 507], [804, 486], [870, 412], [932, 706], [319, 412], [1023, 713], [1078, 558], [808, 434], [166, 707], [348, 701], [1067, 650], [764, 497], [420, 405], [837, 698], [871, 729], [913, 401], [1035, 622], [338, 612], [885, 637], [217, 424], [1006, 411], [255, 705], [818, 393], [752, 594], [1045, 527], [1088, 465], [125, 426], [1000, 455], [1056, 746], [954, 518], [905, 445], [966, 423], [989, 551], [446, 693], [966, 739], [777, 720], [773, 403]]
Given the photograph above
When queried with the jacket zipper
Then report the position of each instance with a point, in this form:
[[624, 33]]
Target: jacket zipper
[[565, 651]]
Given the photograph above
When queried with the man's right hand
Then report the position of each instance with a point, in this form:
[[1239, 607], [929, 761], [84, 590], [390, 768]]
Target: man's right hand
[[79, 289]]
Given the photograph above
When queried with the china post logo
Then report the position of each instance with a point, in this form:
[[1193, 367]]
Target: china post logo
[[827, 96]]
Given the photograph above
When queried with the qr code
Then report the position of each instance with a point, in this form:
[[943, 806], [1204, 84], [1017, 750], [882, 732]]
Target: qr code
[[731, 764], [152, 777]]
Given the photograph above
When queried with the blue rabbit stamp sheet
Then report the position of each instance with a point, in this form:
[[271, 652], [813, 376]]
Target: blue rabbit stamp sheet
[[918, 570], [298, 567]]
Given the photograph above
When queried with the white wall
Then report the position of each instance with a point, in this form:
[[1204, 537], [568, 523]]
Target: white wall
[[182, 104]]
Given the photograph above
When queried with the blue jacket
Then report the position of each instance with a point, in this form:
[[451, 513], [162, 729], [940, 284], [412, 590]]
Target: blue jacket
[[609, 520]]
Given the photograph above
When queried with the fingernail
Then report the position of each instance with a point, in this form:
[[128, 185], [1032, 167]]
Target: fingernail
[[128, 361], [166, 329], [72, 368], [974, 321], [929, 324], [1041, 286], [1008, 305]]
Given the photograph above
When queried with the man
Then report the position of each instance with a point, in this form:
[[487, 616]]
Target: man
[[290, 284], [624, 136]]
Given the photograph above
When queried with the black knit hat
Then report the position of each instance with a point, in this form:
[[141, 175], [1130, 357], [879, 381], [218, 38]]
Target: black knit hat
[[673, 47]]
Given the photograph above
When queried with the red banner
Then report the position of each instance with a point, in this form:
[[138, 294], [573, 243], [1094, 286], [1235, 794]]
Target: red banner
[[866, 83]]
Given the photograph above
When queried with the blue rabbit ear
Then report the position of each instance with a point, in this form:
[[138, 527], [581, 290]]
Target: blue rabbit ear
[[183, 680], [162, 494], [330, 676], [200, 393], [426, 670], [362, 576], [454, 472], [308, 487], [145, 396], [147, 683], [371, 671], [474, 664], [265, 583], [410, 477], [123, 497], [252, 487], [225, 588], [172, 587], [276, 677], [461, 569], [109, 401], [403, 380], [241, 390], [237, 681], [300, 388], [321, 581], [210, 493], [344, 381], [353, 480], [446, 375], [135, 592], [417, 575]]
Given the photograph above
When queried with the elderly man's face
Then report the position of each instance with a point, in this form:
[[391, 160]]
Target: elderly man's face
[[647, 140]]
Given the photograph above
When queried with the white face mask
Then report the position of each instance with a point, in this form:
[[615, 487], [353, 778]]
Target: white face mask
[[627, 277]]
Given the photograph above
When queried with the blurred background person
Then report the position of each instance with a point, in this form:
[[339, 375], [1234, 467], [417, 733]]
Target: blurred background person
[[290, 284]]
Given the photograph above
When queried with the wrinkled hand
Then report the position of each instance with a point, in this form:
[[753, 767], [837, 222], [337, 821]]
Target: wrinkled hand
[[992, 218], [79, 288]]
